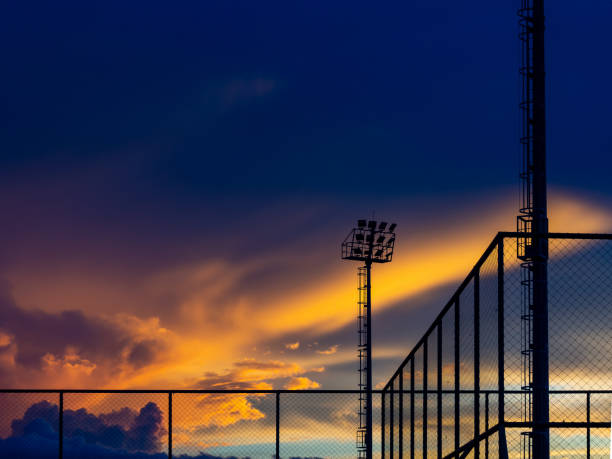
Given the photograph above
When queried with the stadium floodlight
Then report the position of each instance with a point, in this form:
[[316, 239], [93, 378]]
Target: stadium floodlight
[[367, 245]]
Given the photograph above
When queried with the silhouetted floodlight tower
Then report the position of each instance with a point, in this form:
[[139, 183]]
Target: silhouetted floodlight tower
[[370, 242], [532, 243]]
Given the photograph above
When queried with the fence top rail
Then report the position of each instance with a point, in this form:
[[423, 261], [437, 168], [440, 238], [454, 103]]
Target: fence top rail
[[277, 391], [595, 236], [495, 391], [448, 305], [499, 237], [183, 391]]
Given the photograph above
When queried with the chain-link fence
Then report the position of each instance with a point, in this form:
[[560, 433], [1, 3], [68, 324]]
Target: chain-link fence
[[181, 424], [443, 400]]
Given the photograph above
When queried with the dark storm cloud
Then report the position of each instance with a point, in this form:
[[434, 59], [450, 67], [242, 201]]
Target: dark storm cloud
[[37, 333], [87, 435], [70, 341], [143, 433]]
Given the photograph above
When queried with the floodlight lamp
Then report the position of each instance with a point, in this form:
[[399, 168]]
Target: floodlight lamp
[[372, 224], [369, 238], [356, 251], [361, 223], [382, 226], [359, 237], [392, 227], [391, 241], [380, 239], [378, 253]]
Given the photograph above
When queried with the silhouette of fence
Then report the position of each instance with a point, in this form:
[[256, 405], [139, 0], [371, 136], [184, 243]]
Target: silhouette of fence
[[135, 424], [444, 399]]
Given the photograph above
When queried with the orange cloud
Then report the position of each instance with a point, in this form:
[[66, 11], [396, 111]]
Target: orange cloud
[[329, 351], [214, 301], [301, 382], [252, 374]]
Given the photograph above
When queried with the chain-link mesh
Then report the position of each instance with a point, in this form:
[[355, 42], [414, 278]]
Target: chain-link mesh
[[224, 425], [470, 345], [184, 425], [29, 425], [101, 424], [319, 425], [450, 378]]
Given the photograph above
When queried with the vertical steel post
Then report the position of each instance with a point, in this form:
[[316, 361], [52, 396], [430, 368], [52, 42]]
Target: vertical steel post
[[476, 364], [382, 424], [486, 425], [169, 425], [500, 342], [277, 425], [588, 414], [425, 395], [439, 387], [391, 419], [401, 414], [457, 380], [369, 356], [61, 425], [412, 407], [541, 441]]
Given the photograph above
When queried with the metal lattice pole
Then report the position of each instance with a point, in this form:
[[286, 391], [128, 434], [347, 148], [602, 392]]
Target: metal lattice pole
[[533, 223]]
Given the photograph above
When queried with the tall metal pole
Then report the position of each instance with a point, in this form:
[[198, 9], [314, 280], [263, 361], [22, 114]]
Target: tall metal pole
[[541, 446], [371, 242], [368, 265]]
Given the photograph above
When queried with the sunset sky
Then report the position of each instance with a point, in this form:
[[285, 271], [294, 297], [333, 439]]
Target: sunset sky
[[176, 178]]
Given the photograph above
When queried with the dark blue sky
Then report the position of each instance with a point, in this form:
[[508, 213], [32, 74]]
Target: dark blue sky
[[199, 162], [198, 100]]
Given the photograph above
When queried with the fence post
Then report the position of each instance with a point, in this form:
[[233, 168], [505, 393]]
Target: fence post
[[425, 397], [401, 414], [588, 413], [500, 343], [476, 364], [61, 425], [439, 389], [169, 425], [457, 379], [412, 407], [486, 425], [277, 425], [391, 418], [382, 424]]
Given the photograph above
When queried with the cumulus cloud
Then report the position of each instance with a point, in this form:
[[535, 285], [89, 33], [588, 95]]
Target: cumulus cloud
[[72, 348], [140, 431], [292, 346]]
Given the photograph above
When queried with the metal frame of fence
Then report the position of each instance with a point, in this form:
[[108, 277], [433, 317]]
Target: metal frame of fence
[[419, 381], [277, 394], [397, 391]]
